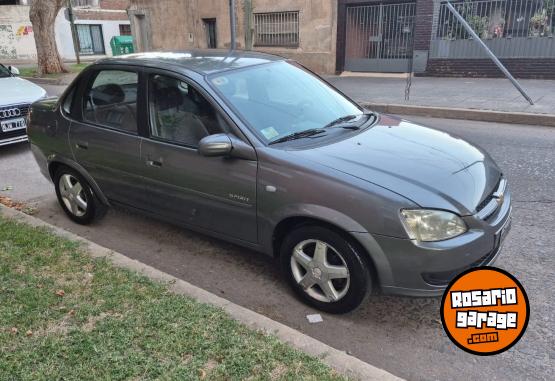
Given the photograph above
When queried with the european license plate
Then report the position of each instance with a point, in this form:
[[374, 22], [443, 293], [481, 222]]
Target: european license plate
[[13, 124]]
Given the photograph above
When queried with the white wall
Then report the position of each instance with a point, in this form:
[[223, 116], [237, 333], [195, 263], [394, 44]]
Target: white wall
[[17, 41], [16, 34], [110, 28]]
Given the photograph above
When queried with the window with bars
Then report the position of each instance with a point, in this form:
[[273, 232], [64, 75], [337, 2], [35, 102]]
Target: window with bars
[[125, 30], [276, 29], [85, 3]]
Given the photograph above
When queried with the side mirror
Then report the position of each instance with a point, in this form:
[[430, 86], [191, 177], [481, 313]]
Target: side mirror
[[13, 70], [226, 145], [215, 145]]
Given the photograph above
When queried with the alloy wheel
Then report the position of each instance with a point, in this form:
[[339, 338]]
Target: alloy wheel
[[73, 195], [320, 270]]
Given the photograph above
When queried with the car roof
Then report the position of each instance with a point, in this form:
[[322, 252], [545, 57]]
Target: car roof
[[202, 61]]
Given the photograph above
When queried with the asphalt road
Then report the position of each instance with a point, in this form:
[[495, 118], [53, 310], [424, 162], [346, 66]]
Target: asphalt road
[[401, 335]]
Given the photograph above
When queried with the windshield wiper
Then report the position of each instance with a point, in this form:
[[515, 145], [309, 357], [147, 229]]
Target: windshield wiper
[[299, 135], [343, 119], [347, 118]]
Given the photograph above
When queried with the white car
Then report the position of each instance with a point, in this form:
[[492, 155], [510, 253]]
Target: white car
[[16, 96]]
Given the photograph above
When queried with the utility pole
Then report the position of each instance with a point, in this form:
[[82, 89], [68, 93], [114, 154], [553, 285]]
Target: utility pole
[[488, 51], [233, 44], [73, 31]]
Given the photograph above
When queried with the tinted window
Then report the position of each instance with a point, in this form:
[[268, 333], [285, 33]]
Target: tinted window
[[111, 100], [179, 113], [280, 98]]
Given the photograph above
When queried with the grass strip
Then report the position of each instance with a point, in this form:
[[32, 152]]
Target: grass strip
[[65, 315]]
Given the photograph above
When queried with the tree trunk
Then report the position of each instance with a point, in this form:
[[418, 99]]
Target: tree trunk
[[43, 16]]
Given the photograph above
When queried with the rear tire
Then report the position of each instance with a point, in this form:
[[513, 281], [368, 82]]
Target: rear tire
[[76, 197], [325, 269]]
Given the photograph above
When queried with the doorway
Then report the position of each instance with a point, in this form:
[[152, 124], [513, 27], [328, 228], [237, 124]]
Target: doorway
[[210, 28], [379, 37]]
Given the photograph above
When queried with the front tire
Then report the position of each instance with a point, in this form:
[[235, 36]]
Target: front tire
[[76, 197], [325, 269]]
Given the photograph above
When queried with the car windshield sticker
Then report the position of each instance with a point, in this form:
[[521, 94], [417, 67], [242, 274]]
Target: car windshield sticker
[[269, 133], [220, 81]]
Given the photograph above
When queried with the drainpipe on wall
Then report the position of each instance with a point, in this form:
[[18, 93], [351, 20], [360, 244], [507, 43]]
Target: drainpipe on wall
[[233, 44], [248, 24]]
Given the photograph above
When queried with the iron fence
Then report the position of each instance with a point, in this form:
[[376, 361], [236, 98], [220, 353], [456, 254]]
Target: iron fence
[[379, 37], [511, 28], [498, 19]]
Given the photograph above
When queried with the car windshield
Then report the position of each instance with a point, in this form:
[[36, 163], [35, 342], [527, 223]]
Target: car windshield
[[4, 72], [280, 99]]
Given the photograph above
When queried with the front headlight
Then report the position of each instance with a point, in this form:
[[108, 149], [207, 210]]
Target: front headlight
[[428, 225]]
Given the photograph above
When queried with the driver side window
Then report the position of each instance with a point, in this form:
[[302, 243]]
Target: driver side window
[[179, 113]]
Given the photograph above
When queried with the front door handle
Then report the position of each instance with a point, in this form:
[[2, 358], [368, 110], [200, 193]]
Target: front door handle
[[154, 163], [82, 145]]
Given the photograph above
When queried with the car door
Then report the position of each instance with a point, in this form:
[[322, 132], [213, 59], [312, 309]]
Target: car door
[[214, 193], [105, 138]]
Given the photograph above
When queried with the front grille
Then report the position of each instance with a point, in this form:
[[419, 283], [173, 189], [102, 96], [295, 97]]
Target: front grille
[[488, 198], [23, 111], [7, 112]]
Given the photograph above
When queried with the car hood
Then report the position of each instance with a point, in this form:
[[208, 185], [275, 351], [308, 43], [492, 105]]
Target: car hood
[[431, 168], [17, 90]]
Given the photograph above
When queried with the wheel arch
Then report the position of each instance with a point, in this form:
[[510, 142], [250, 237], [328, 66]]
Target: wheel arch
[[290, 223], [57, 162]]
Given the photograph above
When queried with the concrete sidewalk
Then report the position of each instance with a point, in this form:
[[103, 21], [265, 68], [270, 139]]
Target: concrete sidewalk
[[490, 99]]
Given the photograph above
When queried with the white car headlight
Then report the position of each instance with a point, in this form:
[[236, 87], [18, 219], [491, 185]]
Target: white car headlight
[[428, 225]]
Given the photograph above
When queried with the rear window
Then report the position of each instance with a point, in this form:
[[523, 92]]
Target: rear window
[[111, 100]]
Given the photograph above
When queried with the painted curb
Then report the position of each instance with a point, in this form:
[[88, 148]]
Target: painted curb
[[336, 359], [462, 113]]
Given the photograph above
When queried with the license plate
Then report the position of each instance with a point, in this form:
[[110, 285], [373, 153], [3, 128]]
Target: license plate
[[13, 124], [502, 234]]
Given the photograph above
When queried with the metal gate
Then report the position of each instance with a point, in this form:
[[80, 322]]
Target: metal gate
[[379, 37]]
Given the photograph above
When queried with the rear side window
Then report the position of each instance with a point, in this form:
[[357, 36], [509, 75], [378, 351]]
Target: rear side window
[[111, 100], [68, 102]]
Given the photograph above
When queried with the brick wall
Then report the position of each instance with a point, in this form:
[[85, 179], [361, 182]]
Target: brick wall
[[521, 68], [423, 24], [110, 6], [114, 4], [99, 15]]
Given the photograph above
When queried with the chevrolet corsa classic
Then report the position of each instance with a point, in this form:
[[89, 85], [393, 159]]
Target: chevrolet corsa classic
[[256, 150]]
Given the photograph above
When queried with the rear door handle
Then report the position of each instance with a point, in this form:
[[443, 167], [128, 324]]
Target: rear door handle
[[154, 163], [82, 145]]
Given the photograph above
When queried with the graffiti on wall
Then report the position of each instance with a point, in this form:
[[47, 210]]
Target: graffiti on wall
[[17, 41], [24, 30]]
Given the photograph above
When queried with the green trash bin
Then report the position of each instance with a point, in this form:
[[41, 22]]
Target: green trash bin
[[121, 45]]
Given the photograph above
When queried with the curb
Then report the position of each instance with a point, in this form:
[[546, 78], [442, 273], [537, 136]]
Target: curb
[[44, 81], [466, 114], [336, 359]]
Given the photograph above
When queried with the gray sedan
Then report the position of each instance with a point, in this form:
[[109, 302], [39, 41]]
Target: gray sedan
[[257, 150]]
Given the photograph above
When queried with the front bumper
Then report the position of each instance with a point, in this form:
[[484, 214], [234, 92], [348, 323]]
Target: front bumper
[[13, 140], [405, 267]]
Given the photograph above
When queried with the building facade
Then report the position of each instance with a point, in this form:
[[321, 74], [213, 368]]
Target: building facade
[[299, 29], [331, 36], [97, 21]]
